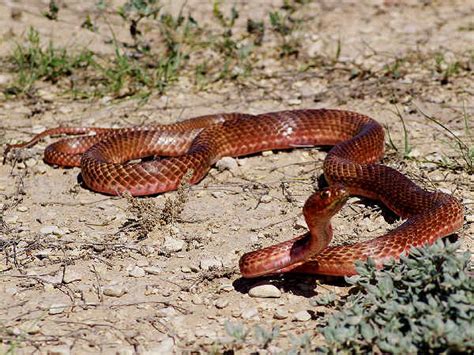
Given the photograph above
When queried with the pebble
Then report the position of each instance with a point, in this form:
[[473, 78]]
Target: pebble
[[153, 270], [208, 264], [171, 245], [114, 290], [31, 162], [196, 299], [250, 313], [30, 327], [59, 350], [46, 230], [266, 199], [265, 291], [221, 303], [71, 276], [22, 209], [280, 314], [302, 316], [136, 271], [40, 170], [226, 163], [57, 308], [186, 269], [12, 219], [470, 218], [267, 153], [294, 102]]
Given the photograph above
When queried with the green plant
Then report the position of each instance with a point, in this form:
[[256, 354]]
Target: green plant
[[33, 62], [446, 68], [235, 53], [464, 149], [52, 12], [134, 11], [423, 304]]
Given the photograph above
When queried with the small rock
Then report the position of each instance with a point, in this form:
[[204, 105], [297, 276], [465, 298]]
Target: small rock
[[11, 220], [294, 102], [266, 199], [280, 314], [40, 170], [22, 209], [59, 350], [470, 218], [186, 269], [302, 316], [221, 303], [137, 271], [267, 153], [46, 230], [57, 308], [30, 327], [226, 163], [153, 270], [114, 290], [71, 276], [31, 162], [208, 264], [250, 313], [265, 291], [196, 299], [171, 245]]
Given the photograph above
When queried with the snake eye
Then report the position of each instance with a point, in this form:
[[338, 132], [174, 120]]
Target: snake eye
[[325, 194]]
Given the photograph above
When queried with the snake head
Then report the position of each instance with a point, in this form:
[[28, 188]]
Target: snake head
[[325, 203]]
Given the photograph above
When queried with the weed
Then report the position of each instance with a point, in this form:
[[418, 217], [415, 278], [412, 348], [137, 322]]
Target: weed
[[52, 12], [283, 25], [134, 11], [424, 304], [446, 68], [234, 51], [465, 151], [32, 62], [406, 140]]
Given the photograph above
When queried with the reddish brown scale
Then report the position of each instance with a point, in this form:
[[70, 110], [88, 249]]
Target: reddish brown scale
[[350, 168]]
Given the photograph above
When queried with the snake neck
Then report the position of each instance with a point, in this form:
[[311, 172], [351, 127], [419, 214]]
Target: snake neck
[[320, 236]]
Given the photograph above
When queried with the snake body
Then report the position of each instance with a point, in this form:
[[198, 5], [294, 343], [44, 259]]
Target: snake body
[[351, 168]]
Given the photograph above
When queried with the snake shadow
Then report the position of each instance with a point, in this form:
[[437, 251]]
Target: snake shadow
[[297, 284]]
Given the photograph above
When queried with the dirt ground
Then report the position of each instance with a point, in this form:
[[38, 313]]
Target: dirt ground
[[74, 276]]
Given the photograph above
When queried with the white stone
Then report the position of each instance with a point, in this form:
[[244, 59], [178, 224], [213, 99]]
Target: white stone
[[57, 308], [265, 291], [226, 163], [46, 230], [302, 316], [171, 245], [136, 271], [153, 270], [250, 313], [208, 264], [221, 303], [71, 276], [280, 314], [114, 290]]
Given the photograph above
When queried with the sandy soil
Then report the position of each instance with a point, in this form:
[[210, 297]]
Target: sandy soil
[[74, 276]]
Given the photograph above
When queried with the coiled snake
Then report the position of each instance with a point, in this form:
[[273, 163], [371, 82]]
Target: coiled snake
[[350, 168]]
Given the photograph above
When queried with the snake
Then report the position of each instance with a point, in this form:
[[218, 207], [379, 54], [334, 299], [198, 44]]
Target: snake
[[113, 161]]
